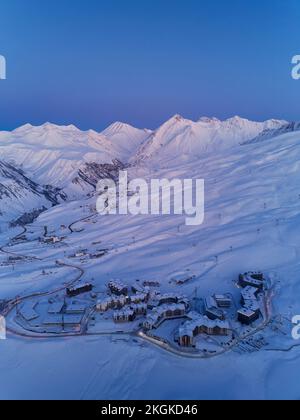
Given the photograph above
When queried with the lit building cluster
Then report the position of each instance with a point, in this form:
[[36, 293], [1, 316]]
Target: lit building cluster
[[118, 302], [202, 325]]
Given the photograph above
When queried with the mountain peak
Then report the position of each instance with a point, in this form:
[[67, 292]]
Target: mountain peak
[[47, 126], [24, 127], [50, 126], [119, 127], [177, 118], [237, 120]]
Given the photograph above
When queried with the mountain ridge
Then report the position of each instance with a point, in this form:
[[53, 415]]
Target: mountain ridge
[[68, 161]]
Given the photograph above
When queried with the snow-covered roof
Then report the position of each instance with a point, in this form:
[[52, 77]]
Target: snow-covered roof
[[117, 285], [246, 312], [79, 286], [169, 296], [249, 291], [210, 302], [222, 297], [55, 307], [138, 296], [159, 311], [112, 299], [252, 304], [124, 312]]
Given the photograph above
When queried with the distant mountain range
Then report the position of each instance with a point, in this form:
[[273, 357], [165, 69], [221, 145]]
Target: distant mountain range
[[46, 165]]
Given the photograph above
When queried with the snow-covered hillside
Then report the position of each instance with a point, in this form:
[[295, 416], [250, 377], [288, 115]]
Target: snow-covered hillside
[[19, 194], [275, 132]]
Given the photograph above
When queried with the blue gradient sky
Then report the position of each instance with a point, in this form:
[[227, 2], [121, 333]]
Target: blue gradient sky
[[94, 62]]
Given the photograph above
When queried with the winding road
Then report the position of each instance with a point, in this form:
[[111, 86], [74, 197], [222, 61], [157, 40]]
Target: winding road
[[137, 334]]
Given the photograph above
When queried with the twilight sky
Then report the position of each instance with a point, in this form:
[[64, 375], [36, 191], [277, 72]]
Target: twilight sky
[[97, 61]]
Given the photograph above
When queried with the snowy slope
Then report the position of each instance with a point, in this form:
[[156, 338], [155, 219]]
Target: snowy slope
[[19, 194], [275, 132]]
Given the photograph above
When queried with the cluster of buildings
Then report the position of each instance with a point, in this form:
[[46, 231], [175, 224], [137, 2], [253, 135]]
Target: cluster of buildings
[[112, 302], [201, 325], [129, 303], [126, 307], [167, 298], [119, 302], [214, 320], [51, 240], [65, 314], [80, 253], [159, 307], [60, 313], [83, 253], [163, 313], [128, 314]]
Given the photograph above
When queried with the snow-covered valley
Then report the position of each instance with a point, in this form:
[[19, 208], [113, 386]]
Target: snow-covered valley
[[252, 222]]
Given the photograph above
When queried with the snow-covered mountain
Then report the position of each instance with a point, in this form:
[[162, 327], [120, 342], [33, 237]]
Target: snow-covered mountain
[[183, 139], [126, 139], [54, 155], [70, 161]]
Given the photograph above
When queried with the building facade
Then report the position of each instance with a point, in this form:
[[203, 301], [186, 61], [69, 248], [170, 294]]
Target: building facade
[[118, 288], [163, 313], [191, 329]]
